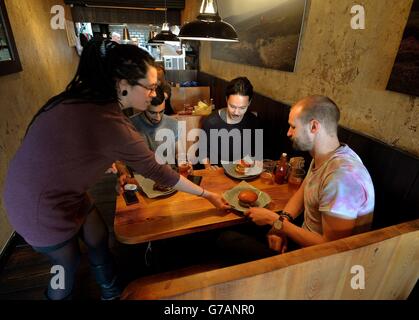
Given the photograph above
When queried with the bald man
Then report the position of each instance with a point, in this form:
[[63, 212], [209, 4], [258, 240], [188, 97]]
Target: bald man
[[337, 195]]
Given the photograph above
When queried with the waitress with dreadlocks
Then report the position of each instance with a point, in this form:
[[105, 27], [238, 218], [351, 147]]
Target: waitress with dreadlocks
[[70, 142]]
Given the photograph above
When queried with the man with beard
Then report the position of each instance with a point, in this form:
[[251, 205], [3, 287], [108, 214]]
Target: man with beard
[[337, 195], [235, 118], [152, 120]]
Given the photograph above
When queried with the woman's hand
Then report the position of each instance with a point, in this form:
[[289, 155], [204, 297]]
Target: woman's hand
[[122, 180], [216, 200], [112, 169]]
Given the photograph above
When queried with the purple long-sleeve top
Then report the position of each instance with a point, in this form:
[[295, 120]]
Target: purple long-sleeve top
[[66, 150]]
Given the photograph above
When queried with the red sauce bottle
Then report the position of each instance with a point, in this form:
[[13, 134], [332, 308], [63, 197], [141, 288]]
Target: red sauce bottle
[[281, 170]]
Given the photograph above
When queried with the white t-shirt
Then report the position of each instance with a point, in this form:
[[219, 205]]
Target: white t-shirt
[[341, 187]]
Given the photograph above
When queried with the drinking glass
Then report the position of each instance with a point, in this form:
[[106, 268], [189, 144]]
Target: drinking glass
[[296, 177], [267, 175], [185, 168]]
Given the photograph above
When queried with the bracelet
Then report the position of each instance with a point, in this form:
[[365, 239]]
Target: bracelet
[[286, 215], [202, 193]]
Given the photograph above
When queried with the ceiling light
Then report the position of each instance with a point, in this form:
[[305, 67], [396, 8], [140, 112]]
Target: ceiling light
[[209, 26], [165, 33]]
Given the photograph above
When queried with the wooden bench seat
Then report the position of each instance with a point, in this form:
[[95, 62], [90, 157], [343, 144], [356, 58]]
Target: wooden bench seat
[[131, 291], [389, 256]]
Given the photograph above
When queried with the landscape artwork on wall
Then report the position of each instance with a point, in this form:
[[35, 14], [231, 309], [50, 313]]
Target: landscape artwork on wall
[[268, 30], [404, 77]]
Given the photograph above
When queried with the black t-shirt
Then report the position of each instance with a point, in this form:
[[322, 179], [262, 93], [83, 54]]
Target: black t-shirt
[[245, 130]]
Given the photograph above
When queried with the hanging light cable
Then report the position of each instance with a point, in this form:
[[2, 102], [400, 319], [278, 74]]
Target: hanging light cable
[[209, 26]]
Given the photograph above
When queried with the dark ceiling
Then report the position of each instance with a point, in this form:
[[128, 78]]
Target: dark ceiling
[[171, 4]]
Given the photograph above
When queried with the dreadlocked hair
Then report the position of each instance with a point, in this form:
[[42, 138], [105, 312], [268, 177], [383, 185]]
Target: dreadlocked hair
[[102, 64]]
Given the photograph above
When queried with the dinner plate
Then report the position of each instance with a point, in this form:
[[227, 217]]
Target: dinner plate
[[231, 196], [147, 185], [229, 170]]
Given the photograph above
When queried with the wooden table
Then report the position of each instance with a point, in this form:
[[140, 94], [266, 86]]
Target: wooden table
[[182, 213]]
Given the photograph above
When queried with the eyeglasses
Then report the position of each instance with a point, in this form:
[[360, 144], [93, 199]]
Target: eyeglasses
[[151, 88]]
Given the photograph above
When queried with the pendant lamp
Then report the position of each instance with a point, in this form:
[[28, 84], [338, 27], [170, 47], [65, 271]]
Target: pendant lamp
[[165, 33], [209, 26], [125, 34], [151, 39]]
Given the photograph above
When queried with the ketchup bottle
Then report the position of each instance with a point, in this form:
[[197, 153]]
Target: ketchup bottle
[[281, 170]]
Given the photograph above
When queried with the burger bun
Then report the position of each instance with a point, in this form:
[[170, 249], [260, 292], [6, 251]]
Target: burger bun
[[247, 198]]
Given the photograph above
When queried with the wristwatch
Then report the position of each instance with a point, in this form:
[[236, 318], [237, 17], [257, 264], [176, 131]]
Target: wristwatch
[[277, 225], [286, 215]]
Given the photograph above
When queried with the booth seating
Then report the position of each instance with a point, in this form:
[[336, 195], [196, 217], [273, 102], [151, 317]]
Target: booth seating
[[388, 255]]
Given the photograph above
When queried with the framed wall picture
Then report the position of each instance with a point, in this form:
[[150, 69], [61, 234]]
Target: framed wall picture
[[269, 32], [404, 76], [9, 57]]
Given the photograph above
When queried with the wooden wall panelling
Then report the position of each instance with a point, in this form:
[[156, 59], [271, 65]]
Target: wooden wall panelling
[[105, 15], [179, 76], [177, 4], [188, 95]]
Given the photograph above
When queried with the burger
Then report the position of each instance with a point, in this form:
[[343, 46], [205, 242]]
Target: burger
[[243, 166], [247, 198]]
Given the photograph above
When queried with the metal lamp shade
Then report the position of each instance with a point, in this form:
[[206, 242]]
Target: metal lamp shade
[[208, 31], [165, 35], [126, 36]]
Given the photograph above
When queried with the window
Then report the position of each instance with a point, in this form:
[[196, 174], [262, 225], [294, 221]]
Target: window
[[9, 58]]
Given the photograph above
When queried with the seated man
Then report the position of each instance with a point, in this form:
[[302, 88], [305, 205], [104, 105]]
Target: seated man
[[230, 121], [337, 195], [151, 121]]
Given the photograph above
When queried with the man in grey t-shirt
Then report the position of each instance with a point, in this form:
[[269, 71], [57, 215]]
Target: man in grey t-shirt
[[159, 130]]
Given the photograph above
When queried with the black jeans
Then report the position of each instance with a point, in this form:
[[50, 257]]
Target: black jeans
[[246, 243]]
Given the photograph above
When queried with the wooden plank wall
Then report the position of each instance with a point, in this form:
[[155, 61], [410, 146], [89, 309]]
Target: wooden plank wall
[[188, 95], [119, 16], [179, 76]]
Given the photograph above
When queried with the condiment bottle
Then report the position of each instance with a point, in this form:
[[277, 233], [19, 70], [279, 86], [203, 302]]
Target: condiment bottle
[[281, 170]]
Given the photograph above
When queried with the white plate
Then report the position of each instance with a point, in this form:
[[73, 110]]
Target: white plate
[[147, 187], [229, 169]]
